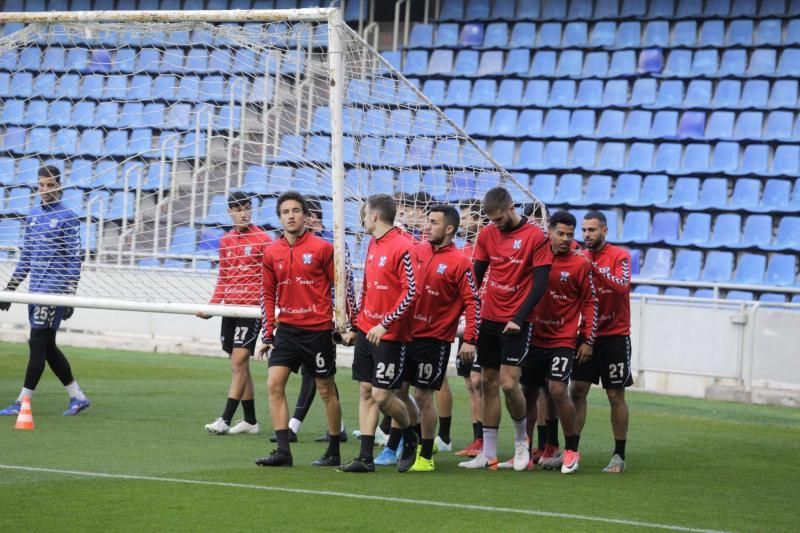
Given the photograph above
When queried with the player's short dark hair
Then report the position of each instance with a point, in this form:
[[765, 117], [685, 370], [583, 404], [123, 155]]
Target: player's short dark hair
[[50, 171], [291, 195], [239, 199], [473, 205], [596, 215], [496, 199], [403, 198], [562, 217], [451, 216], [314, 207], [384, 205], [422, 198]]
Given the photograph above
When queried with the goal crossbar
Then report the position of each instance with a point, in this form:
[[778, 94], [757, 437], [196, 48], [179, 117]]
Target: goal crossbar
[[236, 15]]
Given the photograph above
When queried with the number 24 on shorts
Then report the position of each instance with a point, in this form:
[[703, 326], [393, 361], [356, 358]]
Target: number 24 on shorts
[[385, 371]]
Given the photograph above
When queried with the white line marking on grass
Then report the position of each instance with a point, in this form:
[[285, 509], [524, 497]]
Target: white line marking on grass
[[355, 496]]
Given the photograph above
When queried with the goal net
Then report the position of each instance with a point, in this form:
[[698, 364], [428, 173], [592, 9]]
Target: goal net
[[152, 123]]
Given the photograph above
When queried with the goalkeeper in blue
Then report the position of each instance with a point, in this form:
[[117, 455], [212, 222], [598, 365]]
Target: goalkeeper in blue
[[51, 256]]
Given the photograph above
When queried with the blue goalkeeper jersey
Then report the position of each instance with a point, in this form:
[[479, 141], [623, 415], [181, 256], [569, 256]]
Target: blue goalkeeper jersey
[[51, 250]]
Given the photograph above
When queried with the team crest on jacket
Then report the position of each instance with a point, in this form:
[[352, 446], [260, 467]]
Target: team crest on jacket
[[564, 277], [306, 259], [53, 222], [517, 244], [441, 268], [247, 250], [382, 261]]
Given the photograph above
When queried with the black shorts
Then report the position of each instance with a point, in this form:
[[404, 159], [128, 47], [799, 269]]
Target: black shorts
[[314, 350], [548, 364], [465, 370], [495, 349], [429, 358], [239, 333], [383, 365], [611, 362]]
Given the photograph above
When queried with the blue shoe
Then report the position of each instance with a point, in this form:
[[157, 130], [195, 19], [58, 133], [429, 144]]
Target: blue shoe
[[386, 458], [76, 406], [11, 410], [399, 450]]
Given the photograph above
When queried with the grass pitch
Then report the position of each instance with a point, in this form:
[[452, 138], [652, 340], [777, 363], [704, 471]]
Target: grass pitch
[[692, 464]]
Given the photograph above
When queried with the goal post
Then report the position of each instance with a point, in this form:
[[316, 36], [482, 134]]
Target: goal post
[[153, 118]]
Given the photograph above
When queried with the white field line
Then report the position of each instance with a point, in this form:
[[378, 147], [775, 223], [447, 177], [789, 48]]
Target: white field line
[[355, 496]]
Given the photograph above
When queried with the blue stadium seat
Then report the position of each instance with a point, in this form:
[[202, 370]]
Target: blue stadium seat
[[727, 231], [665, 125], [183, 241], [698, 94], [755, 93], [720, 125], [466, 63], [536, 93], [668, 158], [570, 189], [755, 160], [517, 63], [786, 160], [748, 125], [421, 36], [692, 125], [549, 35], [739, 296], [750, 269], [679, 64], [590, 94], [728, 94], [543, 64], [495, 36], [656, 34], [523, 35], [772, 298], [647, 289], [657, 264], [651, 61], [491, 63], [781, 270], [458, 93], [757, 232], [623, 63], [555, 154], [636, 228], [611, 123], [687, 265], [579, 10], [598, 190], [484, 93], [581, 124], [570, 63], [562, 93], [684, 33], [603, 34], [705, 63], [714, 194], [462, 187], [696, 230], [477, 10], [718, 267], [788, 64], [121, 206], [778, 125], [479, 122], [726, 158], [503, 10], [530, 155], [416, 62], [615, 93], [543, 187], [584, 155], [629, 35], [556, 123], [575, 35], [762, 62], [746, 194], [504, 124], [788, 235], [733, 63]]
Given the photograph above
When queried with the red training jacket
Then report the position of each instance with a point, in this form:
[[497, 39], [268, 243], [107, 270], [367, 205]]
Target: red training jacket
[[298, 280], [446, 280], [512, 256], [570, 295], [612, 279], [390, 287], [240, 257]]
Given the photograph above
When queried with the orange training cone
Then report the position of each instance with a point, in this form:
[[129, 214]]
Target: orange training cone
[[25, 417]]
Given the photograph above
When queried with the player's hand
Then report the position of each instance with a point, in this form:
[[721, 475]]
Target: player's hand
[[348, 338], [202, 315], [585, 352], [263, 353], [375, 334], [68, 312], [5, 306], [467, 353], [511, 328]]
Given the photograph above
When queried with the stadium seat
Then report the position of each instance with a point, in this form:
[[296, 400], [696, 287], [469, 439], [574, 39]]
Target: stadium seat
[[757, 232], [590, 94], [484, 93], [657, 264], [509, 93], [746, 194], [687, 265], [183, 241], [494, 36], [770, 32], [549, 35], [458, 93], [466, 63], [629, 35], [748, 125], [696, 230], [543, 64], [772, 298], [517, 63], [636, 228], [651, 61], [788, 63], [665, 125], [504, 124], [755, 93], [727, 231], [778, 125], [718, 267], [421, 36], [121, 206], [739, 295], [543, 187], [728, 94], [733, 62], [788, 235], [523, 35], [781, 270], [750, 269], [647, 289], [598, 191], [714, 194], [786, 160], [570, 189], [603, 34], [692, 125]]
